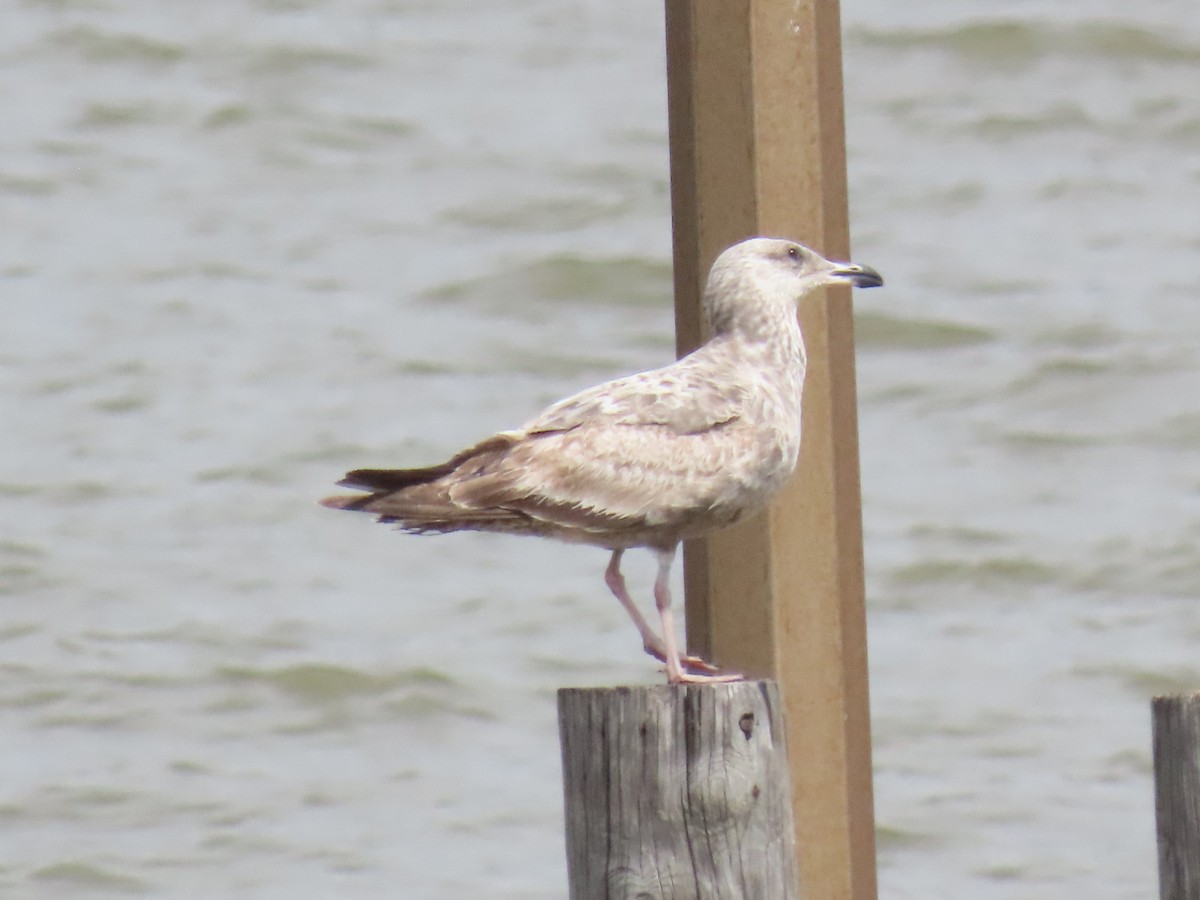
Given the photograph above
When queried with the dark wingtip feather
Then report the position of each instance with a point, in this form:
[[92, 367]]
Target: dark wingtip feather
[[384, 480]]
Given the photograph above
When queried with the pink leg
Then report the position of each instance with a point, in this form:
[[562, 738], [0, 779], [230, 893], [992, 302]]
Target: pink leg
[[662, 599], [651, 642]]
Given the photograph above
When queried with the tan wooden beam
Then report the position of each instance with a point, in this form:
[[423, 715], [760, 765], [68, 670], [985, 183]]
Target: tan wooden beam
[[758, 148]]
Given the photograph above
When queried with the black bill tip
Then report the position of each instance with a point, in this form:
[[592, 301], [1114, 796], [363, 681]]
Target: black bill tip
[[859, 276]]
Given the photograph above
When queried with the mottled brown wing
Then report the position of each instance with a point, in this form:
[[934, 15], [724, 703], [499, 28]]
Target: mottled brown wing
[[649, 450], [613, 478]]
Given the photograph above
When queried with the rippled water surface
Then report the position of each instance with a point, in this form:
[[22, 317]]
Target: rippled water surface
[[249, 245]]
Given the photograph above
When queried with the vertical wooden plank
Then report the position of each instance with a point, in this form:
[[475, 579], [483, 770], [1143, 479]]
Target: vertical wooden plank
[[758, 148], [1176, 721], [677, 791]]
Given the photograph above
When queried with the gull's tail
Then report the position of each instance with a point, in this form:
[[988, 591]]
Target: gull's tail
[[380, 483], [422, 500]]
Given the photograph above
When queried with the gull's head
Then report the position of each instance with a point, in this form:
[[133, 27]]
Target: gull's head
[[750, 279], [793, 266]]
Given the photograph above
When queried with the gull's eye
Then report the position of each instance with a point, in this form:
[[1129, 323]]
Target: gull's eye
[[794, 252]]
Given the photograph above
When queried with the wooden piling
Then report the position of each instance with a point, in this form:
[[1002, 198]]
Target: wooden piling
[[677, 793], [758, 148], [1176, 728]]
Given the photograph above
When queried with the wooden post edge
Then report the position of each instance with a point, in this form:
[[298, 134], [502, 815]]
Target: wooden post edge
[[1176, 740]]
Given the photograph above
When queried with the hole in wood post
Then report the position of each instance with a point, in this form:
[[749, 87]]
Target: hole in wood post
[[746, 723]]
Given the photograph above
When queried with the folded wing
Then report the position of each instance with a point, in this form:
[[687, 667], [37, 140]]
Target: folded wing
[[651, 450]]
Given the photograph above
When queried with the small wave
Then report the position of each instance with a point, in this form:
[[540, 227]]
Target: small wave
[[323, 682], [567, 213], [87, 875], [1005, 42], [291, 59], [989, 571], [623, 281], [1145, 682], [881, 331], [96, 46]]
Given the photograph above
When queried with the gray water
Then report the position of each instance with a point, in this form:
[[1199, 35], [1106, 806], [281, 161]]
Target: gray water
[[249, 245]]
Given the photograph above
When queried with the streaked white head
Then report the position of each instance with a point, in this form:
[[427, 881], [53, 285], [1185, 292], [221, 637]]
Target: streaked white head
[[756, 282]]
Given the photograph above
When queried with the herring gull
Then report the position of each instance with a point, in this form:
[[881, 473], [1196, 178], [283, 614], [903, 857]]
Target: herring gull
[[647, 460]]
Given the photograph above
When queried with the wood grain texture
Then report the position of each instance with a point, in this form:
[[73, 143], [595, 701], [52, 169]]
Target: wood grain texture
[[758, 148], [677, 793], [1176, 721]]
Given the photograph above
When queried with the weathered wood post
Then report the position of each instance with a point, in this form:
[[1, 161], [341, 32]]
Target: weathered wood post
[[1176, 721], [758, 148], [677, 793]]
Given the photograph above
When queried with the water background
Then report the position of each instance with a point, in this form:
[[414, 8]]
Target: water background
[[246, 246]]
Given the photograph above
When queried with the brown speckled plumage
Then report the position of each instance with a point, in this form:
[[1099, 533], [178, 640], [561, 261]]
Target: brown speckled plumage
[[646, 460]]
